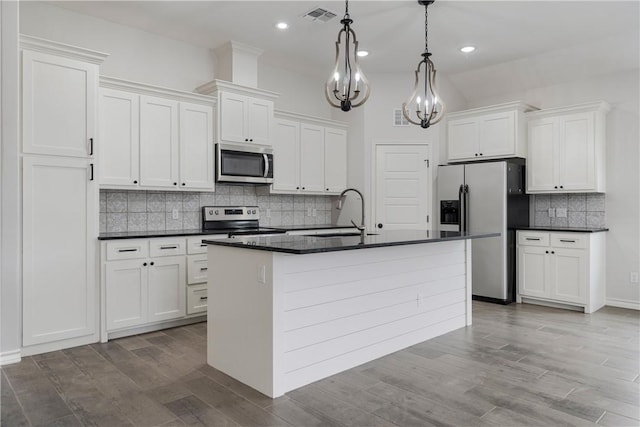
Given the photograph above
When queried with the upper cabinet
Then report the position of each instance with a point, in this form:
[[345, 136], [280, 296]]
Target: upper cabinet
[[310, 155], [58, 102], [245, 114], [154, 138], [567, 149], [493, 132]]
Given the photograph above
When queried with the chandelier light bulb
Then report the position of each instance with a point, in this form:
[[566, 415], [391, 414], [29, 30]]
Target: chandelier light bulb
[[348, 86]]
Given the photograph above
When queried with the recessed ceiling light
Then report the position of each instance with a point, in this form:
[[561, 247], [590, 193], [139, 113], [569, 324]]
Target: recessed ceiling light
[[467, 49], [363, 53], [282, 25]]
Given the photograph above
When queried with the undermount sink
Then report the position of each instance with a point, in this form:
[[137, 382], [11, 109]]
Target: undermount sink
[[343, 234]]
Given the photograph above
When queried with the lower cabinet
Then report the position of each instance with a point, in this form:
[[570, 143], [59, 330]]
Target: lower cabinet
[[562, 268]]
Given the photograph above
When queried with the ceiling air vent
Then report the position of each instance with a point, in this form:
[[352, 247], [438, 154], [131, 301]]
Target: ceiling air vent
[[319, 14], [398, 118]]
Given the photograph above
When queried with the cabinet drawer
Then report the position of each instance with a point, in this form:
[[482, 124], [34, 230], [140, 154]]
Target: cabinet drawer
[[569, 240], [167, 247], [197, 299], [533, 238], [127, 249], [196, 269], [195, 245]]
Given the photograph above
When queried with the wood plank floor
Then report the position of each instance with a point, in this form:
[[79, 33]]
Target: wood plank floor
[[518, 365]]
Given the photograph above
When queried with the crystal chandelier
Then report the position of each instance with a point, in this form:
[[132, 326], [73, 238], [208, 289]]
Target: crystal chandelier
[[347, 86], [428, 108]]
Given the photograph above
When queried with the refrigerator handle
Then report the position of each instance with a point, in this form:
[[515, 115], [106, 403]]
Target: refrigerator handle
[[467, 215], [462, 210]]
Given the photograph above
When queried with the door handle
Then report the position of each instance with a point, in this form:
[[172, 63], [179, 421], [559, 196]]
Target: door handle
[[91, 172], [266, 165], [467, 210], [91, 146], [380, 225]]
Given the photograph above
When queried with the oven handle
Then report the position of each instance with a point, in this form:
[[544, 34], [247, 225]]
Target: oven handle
[[266, 165]]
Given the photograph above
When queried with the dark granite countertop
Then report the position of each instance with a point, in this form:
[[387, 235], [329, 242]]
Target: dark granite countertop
[[565, 229], [310, 227], [315, 244], [147, 234]]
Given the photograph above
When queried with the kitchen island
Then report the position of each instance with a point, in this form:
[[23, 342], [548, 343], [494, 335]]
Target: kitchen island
[[285, 311]]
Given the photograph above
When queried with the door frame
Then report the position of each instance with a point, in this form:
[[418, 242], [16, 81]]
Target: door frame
[[374, 178]]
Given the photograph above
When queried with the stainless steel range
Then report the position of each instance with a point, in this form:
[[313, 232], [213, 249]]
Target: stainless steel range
[[235, 220]]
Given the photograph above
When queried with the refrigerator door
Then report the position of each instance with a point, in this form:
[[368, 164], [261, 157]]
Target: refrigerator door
[[450, 178], [487, 212]]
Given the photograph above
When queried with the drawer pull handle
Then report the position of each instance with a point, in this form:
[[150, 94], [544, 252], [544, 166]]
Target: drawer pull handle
[[533, 238], [203, 298], [203, 268], [567, 241], [169, 247], [127, 250], [204, 245]]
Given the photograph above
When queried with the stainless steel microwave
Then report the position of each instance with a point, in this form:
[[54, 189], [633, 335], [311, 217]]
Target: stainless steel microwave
[[251, 164]]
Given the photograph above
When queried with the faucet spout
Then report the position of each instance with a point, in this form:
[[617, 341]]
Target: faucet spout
[[360, 227]]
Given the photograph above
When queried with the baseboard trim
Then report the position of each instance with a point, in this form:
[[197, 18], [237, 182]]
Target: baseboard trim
[[623, 303], [9, 357]]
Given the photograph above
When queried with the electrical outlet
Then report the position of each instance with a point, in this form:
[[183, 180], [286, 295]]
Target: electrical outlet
[[308, 211], [419, 300], [314, 212], [552, 212], [268, 213], [633, 277], [262, 274], [561, 212], [175, 214]]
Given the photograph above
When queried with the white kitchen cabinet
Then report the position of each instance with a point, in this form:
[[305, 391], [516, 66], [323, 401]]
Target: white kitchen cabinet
[[58, 104], [335, 160], [159, 142], [493, 132], [167, 285], [567, 149], [561, 268], [126, 293], [59, 194], [59, 220], [310, 156], [155, 138], [119, 137], [245, 119]]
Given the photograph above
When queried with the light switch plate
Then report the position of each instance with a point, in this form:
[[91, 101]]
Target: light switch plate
[[561, 212], [175, 214]]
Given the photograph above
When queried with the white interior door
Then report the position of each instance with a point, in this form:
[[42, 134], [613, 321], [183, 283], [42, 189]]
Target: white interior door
[[403, 187]]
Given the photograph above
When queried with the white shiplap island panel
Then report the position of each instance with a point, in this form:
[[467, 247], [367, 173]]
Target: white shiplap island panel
[[278, 321]]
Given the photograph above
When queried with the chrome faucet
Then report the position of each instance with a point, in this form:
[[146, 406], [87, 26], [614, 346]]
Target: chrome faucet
[[360, 227]]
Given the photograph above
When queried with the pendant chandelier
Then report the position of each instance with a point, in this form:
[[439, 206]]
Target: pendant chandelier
[[424, 107], [347, 86]]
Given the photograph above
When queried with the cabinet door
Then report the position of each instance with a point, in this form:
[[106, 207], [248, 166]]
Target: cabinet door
[[119, 138], [58, 104], [542, 156], [463, 139], [158, 142], [533, 264], [312, 158], [196, 269], [232, 117], [569, 275], [259, 120], [59, 219], [126, 293], [335, 160], [497, 135], [167, 288], [196, 146], [577, 157], [286, 146]]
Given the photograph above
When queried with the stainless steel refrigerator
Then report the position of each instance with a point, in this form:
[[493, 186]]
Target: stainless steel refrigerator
[[486, 197]]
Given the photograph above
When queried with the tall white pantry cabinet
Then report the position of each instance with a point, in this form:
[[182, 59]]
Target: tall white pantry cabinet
[[60, 195]]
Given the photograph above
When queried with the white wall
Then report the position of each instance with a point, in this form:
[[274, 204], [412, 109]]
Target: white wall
[[10, 289], [622, 91]]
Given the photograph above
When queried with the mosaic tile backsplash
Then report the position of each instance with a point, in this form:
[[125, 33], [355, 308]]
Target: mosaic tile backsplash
[[138, 210], [583, 210]]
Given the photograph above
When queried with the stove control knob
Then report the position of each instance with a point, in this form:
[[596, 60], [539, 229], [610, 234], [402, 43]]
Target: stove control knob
[[217, 212], [253, 211], [210, 212]]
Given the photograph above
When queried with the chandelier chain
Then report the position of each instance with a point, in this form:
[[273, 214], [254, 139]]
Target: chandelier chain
[[346, 8], [426, 32]]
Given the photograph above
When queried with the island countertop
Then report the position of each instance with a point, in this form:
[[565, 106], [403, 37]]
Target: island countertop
[[314, 244]]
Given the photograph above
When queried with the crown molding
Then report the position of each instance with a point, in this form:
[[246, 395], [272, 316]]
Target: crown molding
[[215, 86], [507, 106], [61, 49], [146, 89], [289, 115], [597, 106]]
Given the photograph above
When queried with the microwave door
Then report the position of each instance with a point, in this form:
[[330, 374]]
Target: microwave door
[[244, 166]]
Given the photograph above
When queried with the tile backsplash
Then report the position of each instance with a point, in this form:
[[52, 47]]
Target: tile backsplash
[[583, 210], [139, 210]]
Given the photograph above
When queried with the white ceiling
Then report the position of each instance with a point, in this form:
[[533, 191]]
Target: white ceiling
[[592, 37]]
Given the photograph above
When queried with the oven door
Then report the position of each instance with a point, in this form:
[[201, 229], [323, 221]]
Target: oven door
[[244, 163]]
